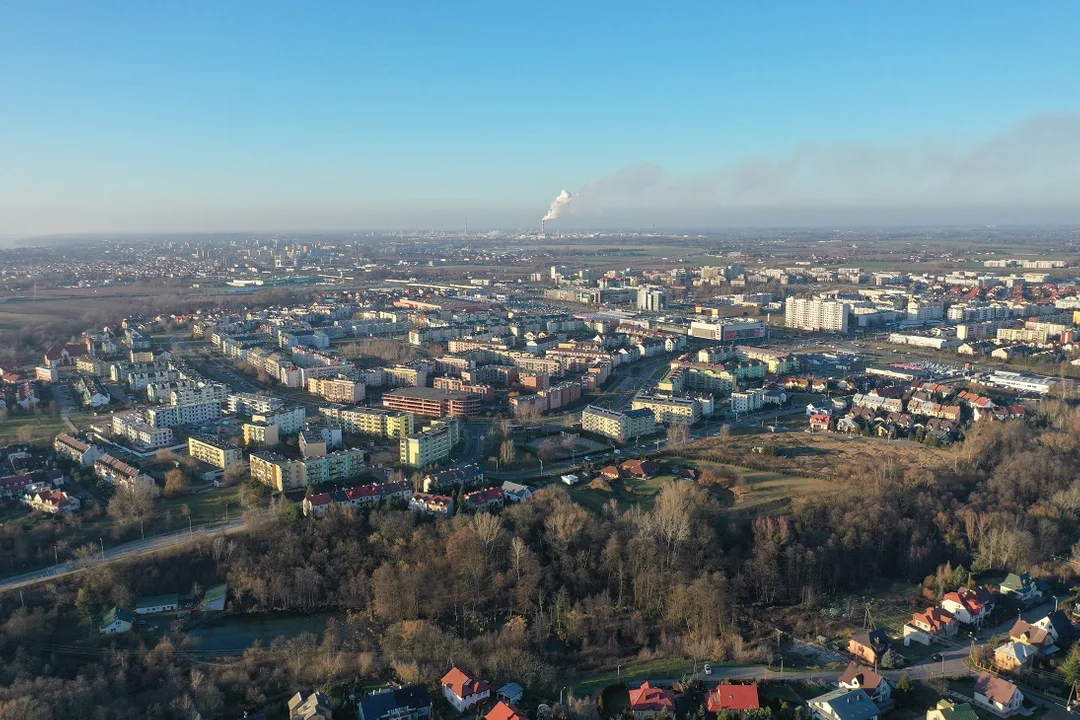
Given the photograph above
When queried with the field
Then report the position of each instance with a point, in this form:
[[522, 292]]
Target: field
[[666, 669], [44, 428], [823, 454], [754, 491]]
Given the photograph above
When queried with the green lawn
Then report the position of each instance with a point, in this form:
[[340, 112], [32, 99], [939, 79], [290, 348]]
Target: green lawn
[[43, 427], [626, 493], [12, 511], [666, 669], [204, 507]]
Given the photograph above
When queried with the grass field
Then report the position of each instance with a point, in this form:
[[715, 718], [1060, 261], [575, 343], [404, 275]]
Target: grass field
[[666, 669], [44, 427], [205, 506], [626, 493], [757, 491]]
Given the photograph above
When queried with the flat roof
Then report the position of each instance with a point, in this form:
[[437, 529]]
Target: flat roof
[[426, 393]]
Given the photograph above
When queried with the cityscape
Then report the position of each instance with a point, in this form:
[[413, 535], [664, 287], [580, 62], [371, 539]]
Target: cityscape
[[308, 409]]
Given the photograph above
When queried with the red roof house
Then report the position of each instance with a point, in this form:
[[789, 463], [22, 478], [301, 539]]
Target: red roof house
[[641, 468], [737, 698], [648, 701], [462, 689], [505, 711]]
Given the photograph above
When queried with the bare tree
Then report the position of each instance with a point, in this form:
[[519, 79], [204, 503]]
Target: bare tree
[[507, 452]]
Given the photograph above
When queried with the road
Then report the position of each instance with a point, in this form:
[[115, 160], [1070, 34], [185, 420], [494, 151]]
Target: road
[[126, 551]]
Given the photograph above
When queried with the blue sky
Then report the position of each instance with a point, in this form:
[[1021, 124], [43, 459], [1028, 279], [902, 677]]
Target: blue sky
[[139, 116]]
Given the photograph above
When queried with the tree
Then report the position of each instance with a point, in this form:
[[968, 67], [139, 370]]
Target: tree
[[176, 483], [132, 503], [678, 434], [891, 660], [89, 604], [235, 473], [548, 450], [1071, 667], [25, 433], [507, 452], [905, 691]]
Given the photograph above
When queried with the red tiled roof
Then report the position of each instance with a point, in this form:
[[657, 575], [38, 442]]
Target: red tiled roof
[[505, 711], [464, 684], [734, 697], [650, 697], [319, 499]]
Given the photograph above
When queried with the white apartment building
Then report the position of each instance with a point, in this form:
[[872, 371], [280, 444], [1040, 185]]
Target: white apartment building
[[817, 315], [621, 426], [213, 393], [167, 416], [747, 401], [288, 420]]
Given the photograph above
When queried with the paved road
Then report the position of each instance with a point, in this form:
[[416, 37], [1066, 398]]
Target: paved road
[[127, 550]]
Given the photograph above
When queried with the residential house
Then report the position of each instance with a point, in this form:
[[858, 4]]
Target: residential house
[[969, 605], [315, 705], [1023, 587], [820, 422], [432, 504], [1014, 654], [869, 646], [516, 492], [860, 677], [648, 701], [505, 711], [76, 450], [930, 626], [1033, 635], [484, 500], [116, 621], [511, 693], [735, 698], [1058, 625], [52, 501], [317, 505], [997, 695], [611, 472], [462, 689], [841, 704], [411, 702], [157, 604], [640, 469], [14, 486], [947, 710]]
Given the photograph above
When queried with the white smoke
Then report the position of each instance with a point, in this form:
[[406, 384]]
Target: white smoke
[[558, 204]]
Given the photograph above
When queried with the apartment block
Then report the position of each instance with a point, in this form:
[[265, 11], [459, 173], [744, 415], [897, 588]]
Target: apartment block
[[431, 445], [378, 422], [167, 416], [619, 426], [341, 390], [430, 402], [817, 315], [249, 404], [281, 473], [289, 420], [214, 451], [669, 409]]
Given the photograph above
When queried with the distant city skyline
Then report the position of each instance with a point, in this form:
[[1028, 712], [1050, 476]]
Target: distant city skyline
[[273, 116]]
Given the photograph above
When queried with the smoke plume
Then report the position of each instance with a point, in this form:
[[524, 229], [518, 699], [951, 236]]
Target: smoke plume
[[558, 204]]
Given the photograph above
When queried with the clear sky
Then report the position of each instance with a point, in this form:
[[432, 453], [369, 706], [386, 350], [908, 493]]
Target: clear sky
[[161, 116]]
